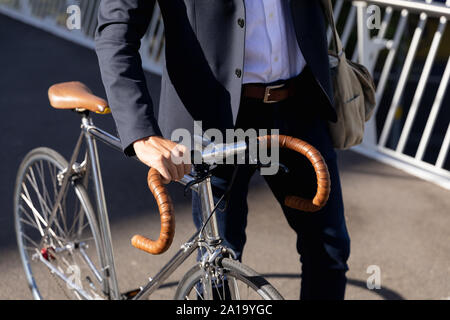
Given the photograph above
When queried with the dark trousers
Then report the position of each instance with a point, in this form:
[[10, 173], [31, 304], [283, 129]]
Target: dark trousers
[[322, 239]]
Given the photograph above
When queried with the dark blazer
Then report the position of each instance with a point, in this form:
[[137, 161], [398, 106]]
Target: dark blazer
[[204, 59]]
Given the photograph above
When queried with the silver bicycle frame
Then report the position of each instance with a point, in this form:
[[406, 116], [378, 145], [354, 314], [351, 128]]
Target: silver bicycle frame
[[110, 287]]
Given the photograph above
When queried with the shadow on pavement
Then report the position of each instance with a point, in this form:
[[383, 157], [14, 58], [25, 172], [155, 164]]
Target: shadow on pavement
[[385, 293]]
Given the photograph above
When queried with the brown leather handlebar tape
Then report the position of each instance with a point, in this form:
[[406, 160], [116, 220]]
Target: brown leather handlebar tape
[[320, 167], [165, 207]]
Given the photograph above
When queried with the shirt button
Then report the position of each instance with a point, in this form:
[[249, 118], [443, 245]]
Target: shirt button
[[238, 73], [241, 22]]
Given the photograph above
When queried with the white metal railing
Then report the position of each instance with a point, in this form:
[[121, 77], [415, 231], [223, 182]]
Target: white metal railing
[[51, 15], [389, 52], [396, 144]]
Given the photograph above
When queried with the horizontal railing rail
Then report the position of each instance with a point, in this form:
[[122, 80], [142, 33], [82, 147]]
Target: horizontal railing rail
[[435, 9]]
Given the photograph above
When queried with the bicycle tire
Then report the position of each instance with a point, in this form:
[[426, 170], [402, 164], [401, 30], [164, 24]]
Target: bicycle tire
[[232, 269], [52, 159]]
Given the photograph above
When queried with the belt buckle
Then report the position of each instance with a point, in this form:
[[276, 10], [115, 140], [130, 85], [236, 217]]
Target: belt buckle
[[267, 92]]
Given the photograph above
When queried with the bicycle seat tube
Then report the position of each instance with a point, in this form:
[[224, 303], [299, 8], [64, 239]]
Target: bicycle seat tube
[[211, 229]]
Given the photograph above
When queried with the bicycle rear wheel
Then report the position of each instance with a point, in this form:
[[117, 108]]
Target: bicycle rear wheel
[[67, 261], [229, 280]]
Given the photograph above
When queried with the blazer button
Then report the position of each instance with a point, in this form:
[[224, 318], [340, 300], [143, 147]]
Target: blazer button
[[238, 73], [241, 22]]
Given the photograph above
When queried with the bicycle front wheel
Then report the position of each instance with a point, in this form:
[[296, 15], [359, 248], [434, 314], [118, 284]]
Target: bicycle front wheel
[[62, 257], [229, 280]]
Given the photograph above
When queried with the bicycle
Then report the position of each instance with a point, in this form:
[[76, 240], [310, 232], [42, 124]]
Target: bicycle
[[65, 244]]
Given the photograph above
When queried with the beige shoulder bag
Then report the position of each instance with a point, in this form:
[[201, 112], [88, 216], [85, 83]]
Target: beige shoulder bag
[[354, 92]]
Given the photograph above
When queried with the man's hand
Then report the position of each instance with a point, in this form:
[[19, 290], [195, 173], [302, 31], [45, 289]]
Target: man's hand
[[164, 155]]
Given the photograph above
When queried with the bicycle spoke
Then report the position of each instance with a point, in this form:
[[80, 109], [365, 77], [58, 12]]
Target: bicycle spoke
[[34, 185], [198, 293], [31, 224], [52, 171], [62, 211], [39, 217], [78, 221], [44, 223], [30, 220], [41, 173], [46, 192], [32, 242], [36, 215], [81, 240], [30, 248], [217, 289], [32, 179], [55, 190], [78, 213], [27, 195]]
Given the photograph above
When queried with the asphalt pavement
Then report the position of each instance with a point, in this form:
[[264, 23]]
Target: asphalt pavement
[[397, 222]]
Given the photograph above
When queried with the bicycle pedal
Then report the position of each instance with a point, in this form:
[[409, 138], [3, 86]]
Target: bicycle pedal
[[130, 294]]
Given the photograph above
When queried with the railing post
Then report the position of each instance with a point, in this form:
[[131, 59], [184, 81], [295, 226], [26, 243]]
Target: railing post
[[365, 47]]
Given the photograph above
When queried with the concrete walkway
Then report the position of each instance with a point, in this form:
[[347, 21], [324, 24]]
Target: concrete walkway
[[396, 222]]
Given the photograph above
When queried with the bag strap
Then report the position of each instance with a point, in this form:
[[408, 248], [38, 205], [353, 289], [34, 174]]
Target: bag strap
[[328, 10]]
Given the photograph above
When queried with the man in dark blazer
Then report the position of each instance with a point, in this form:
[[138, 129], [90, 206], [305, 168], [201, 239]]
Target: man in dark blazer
[[234, 64]]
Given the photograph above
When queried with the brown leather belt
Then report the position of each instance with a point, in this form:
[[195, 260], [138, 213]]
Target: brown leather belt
[[271, 93]]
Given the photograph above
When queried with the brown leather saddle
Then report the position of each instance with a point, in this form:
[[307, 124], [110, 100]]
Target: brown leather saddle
[[76, 95]]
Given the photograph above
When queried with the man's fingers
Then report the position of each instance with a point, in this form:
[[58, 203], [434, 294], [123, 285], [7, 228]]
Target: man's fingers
[[180, 170], [171, 168], [165, 175], [165, 156], [179, 157], [187, 168]]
